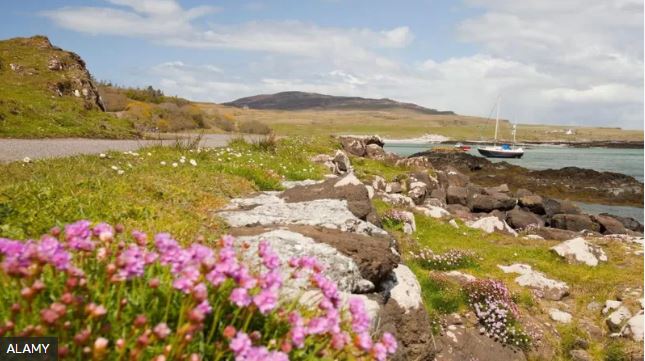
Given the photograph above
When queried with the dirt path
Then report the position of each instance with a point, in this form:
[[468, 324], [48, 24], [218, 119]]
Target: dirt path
[[17, 149]]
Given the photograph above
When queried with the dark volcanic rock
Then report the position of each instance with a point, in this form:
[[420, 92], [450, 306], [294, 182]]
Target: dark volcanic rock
[[356, 195], [520, 219], [574, 222]]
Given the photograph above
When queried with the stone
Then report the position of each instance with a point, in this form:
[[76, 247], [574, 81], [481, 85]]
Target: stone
[[634, 328], [393, 187], [347, 187], [460, 277], [288, 244], [434, 202], [491, 224], [306, 182], [409, 223], [342, 162], [503, 188], [617, 318], [327, 161], [453, 223], [533, 237], [329, 213], [418, 163], [407, 291], [460, 211], [457, 195], [553, 207], [574, 222], [379, 183], [452, 177], [370, 191], [545, 287], [580, 355], [467, 343], [628, 222], [397, 199], [533, 203], [373, 151], [522, 192], [439, 194], [578, 250], [54, 64], [553, 233], [417, 191], [353, 146], [559, 316], [609, 225], [432, 211], [519, 219], [489, 202], [611, 305]]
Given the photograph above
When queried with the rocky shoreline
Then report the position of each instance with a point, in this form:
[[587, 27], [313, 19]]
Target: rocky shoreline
[[335, 220]]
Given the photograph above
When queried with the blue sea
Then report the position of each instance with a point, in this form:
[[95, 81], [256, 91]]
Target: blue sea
[[626, 161]]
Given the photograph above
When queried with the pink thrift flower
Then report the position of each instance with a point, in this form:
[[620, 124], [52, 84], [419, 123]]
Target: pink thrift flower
[[389, 342], [240, 344], [266, 300], [240, 297], [379, 352]]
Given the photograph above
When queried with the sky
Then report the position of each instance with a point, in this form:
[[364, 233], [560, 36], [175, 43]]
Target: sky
[[573, 62]]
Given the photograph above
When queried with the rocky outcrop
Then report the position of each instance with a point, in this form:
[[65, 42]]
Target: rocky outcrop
[[542, 286], [578, 250], [609, 225], [574, 222], [520, 219]]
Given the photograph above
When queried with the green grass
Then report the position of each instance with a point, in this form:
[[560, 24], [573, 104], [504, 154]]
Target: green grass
[[148, 196], [29, 105]]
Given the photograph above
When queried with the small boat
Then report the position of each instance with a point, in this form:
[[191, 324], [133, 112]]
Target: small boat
[[505, 150], [462, 147]]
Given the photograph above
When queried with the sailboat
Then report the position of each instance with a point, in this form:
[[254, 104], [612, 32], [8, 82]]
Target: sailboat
[[505, 150]]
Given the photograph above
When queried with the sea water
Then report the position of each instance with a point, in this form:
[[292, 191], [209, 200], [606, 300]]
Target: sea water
[[618, 160]]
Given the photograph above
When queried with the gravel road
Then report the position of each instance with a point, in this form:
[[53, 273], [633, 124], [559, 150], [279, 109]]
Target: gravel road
[[18, 149]]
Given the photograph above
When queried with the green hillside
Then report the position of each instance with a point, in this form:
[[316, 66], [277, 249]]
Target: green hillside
[[47, 92]]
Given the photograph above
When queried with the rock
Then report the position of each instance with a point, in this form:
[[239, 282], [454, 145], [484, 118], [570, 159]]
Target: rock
[[423, 177], [611, 305], [353, 146], [348, 188], [519, 219], [488, 202], [590, 327], [553, 207], [54, 64], [409, 224], [497, 213], [372, 254], [438, 194], [397, 199], [634, 328], [432, 211], [287, 244], [451, 177], [373, 151], [342, 162], [533, 203], [491, 224], [553, 233], [533, 237], [580, 355], [460, 277], [418, 163], [467, 343], [370, 191], [617, 318], [379, 183], [628, 222], [522, 192], [545, 287], [460, 211], [453, 223], [434, 202], [417, 191], [329, 213], [499, 189], [578, 250], [457, 195], [306, 182], [574, 222], [327, 161], [393, 187], [407, 292], [559, 316], [609, 225], [374, 139]]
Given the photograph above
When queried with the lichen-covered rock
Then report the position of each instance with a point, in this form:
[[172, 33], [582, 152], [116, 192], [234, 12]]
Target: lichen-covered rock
[[578, 250], [634, 328], [393, 187], [379, 183], [617, 318], [560, 316], [544, 287], [432, 211], [417, 191], [397, 199], [491, 224]]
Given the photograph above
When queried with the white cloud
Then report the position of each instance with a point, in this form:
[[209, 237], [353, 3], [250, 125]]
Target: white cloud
[[573, 62]]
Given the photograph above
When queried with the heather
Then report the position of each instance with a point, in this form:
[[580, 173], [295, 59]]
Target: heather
[[109, 294]]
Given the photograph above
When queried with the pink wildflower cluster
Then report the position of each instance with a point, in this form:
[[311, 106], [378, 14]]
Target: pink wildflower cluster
[[497, 312], [99, 291], [449, 260]]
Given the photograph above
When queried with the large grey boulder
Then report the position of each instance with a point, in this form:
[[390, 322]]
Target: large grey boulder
[[634, 328], [609, 225], [353, 146], [341, 160], [617, 318], [533, 203], [543, 287], [553, 207], [457, 195], [489, 202], [439, 194], [373, 151], [578, 250], [574, 222], [520, 219], [417, 191]]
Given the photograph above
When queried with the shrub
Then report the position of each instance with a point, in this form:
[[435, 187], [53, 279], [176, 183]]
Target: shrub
[[254, 127], [496, 311], [108, 296], [267, 143], [224, 124], [449, 260]]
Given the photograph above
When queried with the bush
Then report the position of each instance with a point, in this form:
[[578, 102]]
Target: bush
[[108, 296], [225, 124], [254, 127], [113, 100], [497, 312]]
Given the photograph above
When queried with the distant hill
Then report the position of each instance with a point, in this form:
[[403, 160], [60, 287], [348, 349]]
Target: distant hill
[[46, 91], [295, 100]]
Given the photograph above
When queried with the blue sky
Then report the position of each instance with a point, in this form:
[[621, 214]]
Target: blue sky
[[575, 62]]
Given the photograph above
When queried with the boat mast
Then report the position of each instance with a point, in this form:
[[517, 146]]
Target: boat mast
[[499, 98], [514, 132]]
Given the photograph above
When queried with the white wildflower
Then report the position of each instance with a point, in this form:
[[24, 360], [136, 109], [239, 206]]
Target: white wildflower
[[102, 155], [175, 164], [193, 162], [162, 162], [26, 160]]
